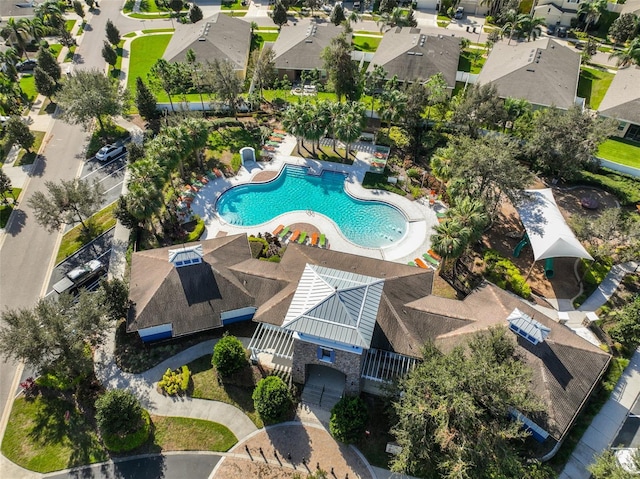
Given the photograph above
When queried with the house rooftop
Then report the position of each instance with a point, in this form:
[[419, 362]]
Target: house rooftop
[[543, 72], [622, 100]]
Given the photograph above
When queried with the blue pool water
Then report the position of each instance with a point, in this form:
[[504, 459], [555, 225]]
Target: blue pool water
[[371, 224]]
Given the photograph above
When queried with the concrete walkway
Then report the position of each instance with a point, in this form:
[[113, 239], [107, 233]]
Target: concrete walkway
[[605, 426], [606, 289]]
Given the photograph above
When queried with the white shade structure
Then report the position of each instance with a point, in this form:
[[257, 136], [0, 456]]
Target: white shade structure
[[549, 234]]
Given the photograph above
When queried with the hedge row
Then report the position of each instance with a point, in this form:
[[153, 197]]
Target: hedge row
[[625, 187], [505, 274]]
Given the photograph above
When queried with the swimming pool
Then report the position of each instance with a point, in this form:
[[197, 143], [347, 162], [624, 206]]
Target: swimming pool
[[371, 224]]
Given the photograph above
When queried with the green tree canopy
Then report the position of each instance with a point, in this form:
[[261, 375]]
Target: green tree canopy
[[78, 8], [624, 27], [113, 34], [453, 414], [225, 83], [118, 412], [342, 72], [49, 63], [607, 466], [279, 14], [479, 107], [349, 419], [195, 13], [18, 133], [228, 355], [337, 14], [272, 399], [109, 54], [90, 95], [627, 327], [45, 85], [146, 101]]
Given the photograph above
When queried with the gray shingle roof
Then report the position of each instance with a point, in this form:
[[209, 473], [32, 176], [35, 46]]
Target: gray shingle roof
[[299, 46], [622, 100], [220, 37], [543, 72], [411, 55]]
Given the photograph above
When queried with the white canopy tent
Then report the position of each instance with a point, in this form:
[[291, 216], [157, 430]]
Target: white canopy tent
[[549, 234]]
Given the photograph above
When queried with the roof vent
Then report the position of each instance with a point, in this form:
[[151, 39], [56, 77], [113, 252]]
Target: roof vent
[[524, 325], [411, 53], [202, 39], [186, 256], [531, 69]]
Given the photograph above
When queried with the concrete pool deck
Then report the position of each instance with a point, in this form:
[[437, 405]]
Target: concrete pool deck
[[421, 217]]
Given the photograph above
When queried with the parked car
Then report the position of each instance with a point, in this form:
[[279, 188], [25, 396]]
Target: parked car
[[356, 6], [459, 13], [27, 65], [79, 277], [110, 152], [562, 32], [551, 29]]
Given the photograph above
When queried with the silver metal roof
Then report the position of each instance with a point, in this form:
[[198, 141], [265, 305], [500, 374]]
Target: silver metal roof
[[335, 305], [186, 256], [527, 327]]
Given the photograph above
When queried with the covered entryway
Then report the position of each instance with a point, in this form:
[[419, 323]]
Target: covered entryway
[[324, 386]]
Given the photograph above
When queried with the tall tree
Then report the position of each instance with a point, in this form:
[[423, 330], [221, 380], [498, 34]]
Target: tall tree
[[18, 132], [342, 72], [45, 85], [373, 83], [294, 121], [350, 125], [176, 6], [50, 13], [16, 33], [279, 14], [90, 95], [48, 63], [10, 59], [513, 24], [453, 414], [394, 103], [78, 8], [592, 10], [146, 102], [195, 70], [479, 107], [436, 86], [629, 55], [113, 34], [109, 54], [624, 27], [337, 14], [564, 142], [66, 203], [165, 75], [413, 120], [34, 28], [531, 27], [195, 13], [387, 6], [5, 186], [264, 68], [225, 83], [313, 5], [54, 336]]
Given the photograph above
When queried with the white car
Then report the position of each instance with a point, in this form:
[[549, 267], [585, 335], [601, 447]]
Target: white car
[[88, 268], [110, 152]]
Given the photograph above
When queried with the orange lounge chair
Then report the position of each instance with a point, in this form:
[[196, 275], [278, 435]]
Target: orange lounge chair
[[278, 230], [282, 132], [203, 180], [434, 255], [421, 263], [218, 173], [314, 239], [294, 236], [277, 139]]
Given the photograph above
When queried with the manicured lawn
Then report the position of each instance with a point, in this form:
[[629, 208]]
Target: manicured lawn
[[5, 210], [157, 30], [25, 158], [144, 53], [378, 181], [186, 434], [233, 5], [621, 151], [55, 48], [69, 56], [150, 16], [231, 140], [69, 24], [74, 239], [593, 84], [39, 439], [28, 86], [468, 61], [366, 44], [207, 386], [271, 95]]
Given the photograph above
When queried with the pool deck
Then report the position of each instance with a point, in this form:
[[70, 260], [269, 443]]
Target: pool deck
[[420, 215]]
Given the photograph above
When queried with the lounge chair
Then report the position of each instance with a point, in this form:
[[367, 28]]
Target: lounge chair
[[197, 184], [218, 173], [282, 132], [411, 263], [277, 139], [314, 239], [283, 233], [203, 179], [273, 143], [294, 236], [323, 241], [303, 237], [430, 259], [421, 263], [441, 215], [434, 255], [211, 175], [278, 230], [269, 148]]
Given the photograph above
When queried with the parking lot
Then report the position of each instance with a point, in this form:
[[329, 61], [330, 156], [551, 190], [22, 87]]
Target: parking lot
[[109, 174]]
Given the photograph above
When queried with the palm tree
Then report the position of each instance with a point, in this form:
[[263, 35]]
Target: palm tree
[[349, 126], [629, 55], [194, 67], [293, 121], [394, 103], [373, 83], [34, 27], [441, 166], [495, 6], [513, 24], [144, 201], [471, 214], [592, 11], [196, 132], [16, 32], [450, 241], [532, 27], [10, 58], [50, 14]]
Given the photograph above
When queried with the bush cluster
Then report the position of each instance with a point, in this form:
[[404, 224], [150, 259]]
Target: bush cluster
[[624, 187], [129, 442], [348, 419], [228, 355], [175, 382], [197, 230], [272, 399], [122, 422], [505, 274]]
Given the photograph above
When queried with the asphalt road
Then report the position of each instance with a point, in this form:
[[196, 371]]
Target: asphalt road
[[173, 466], [110, 175]]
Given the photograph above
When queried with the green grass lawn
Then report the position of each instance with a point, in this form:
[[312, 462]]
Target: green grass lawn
[[366, 44], [286, 95], [231, 140], [69, 24], [469, 63], [25, 158], [233, 5], [55, 49], [5, 210], [207, 386], [621, 151], [69, 56], [186, 434], [144, 53], [157, 30], [28, 86], [130, 35], [74, 239], [593, 84], [39, 439]]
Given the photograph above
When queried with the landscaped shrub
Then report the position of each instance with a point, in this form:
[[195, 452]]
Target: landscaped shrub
[[626, 188], [258, 246], [197, 230], [61, 383], [175, 382], [272, 399], [236, 162], [122, 422], [228, 355], [348, 419], [595, 271], [505, 274]]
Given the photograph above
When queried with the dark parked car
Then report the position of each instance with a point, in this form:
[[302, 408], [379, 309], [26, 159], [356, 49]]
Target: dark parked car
[[562, 32], [26, 65], [551, 29]]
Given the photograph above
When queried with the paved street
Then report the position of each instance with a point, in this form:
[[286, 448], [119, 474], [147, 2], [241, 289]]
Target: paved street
[[110, 175]]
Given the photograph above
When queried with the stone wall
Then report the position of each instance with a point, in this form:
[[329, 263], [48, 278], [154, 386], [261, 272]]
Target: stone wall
[[348, 363]]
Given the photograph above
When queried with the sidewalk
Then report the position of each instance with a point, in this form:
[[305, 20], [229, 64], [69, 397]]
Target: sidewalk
[[606, 424]]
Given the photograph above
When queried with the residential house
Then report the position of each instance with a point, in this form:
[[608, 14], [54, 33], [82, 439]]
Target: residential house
[[411, 55], [341, 323], [220, 37], [630, 6], [299, 47], [557, 12], [622, 102], [543, 72]]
